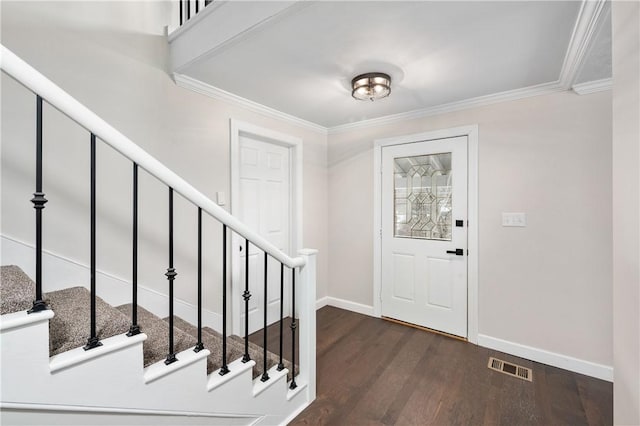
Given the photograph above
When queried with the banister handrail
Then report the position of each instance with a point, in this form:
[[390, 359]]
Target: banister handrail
[[68, 105]]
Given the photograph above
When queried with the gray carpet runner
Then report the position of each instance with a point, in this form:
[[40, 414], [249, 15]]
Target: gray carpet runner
[[70, 327], [156, 347], [212, 340], [16, 290], [256, 353]]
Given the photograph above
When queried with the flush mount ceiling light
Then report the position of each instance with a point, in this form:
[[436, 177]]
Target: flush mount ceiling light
[[371, 86]]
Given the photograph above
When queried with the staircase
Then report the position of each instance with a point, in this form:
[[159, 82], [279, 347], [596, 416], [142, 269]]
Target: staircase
[[70, 357], [68, 321]]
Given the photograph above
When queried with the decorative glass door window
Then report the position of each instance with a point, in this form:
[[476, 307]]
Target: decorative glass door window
[[422, 197]]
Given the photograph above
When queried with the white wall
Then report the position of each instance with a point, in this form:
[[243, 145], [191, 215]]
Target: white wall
[[113, 56], [626, 212], [548, 285]]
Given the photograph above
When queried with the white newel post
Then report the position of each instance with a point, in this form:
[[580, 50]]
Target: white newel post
[[306, 301]]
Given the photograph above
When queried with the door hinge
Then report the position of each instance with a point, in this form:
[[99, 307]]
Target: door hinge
[[381, 232]]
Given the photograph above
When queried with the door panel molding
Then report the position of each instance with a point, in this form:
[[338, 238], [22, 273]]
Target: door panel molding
[[471, 132], [237, 129]]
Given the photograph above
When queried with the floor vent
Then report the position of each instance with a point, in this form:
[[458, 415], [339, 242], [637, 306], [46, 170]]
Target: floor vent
[[510, 369]]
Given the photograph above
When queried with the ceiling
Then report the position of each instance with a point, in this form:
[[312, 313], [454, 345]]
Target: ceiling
[[301, 63]]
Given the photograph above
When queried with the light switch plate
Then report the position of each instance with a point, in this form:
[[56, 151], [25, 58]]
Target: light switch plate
[[514, 219], [220, 198]]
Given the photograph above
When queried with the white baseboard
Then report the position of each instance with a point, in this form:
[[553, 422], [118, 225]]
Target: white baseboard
[[581, 366], [345, 304], [62, 272], [588, 368], [322, 302]]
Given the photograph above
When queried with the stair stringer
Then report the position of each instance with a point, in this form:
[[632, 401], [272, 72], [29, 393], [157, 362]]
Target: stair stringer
[[112, 377]]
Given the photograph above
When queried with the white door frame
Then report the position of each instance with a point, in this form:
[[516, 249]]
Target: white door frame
[[472, 231], [240, 128]]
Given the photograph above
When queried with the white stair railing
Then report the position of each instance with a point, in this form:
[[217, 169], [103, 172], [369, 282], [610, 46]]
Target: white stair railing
[[65, 103], [45, 89]]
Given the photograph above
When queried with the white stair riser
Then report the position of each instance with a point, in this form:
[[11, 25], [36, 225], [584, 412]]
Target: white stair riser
[[116, 379], [20, 347]]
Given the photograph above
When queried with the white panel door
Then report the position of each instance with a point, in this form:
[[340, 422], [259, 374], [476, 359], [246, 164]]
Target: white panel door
[[264, 197], [424, 221]]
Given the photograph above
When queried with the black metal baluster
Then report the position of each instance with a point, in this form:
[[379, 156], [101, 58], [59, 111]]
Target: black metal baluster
[[224, 369], [93, 341], [265, 375], [197, 6], [294, 325], [188, 9], [171, 276], [135, 328], [199, 345], [246, 295], [181, 13], [281, 364], [38, 201]]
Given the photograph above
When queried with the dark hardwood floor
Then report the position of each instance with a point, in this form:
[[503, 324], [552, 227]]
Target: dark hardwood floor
[[375, 372]]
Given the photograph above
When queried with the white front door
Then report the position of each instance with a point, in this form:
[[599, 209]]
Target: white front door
[[264, 205], [424, 223]]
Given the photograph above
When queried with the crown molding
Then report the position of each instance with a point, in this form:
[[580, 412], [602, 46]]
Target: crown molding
[[510, 95], [593, 86], [587, 25], [222, 95]]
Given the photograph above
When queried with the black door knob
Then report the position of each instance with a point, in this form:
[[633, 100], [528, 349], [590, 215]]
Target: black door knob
[[457, 252]]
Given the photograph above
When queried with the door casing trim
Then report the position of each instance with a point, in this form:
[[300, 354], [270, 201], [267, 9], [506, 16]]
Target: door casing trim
[[238, 128], [471, 132]]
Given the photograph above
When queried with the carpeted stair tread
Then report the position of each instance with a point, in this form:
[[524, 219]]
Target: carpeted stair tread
[[255, 352], [17, 290], [70, 327], [212, 340], [156, 347]]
